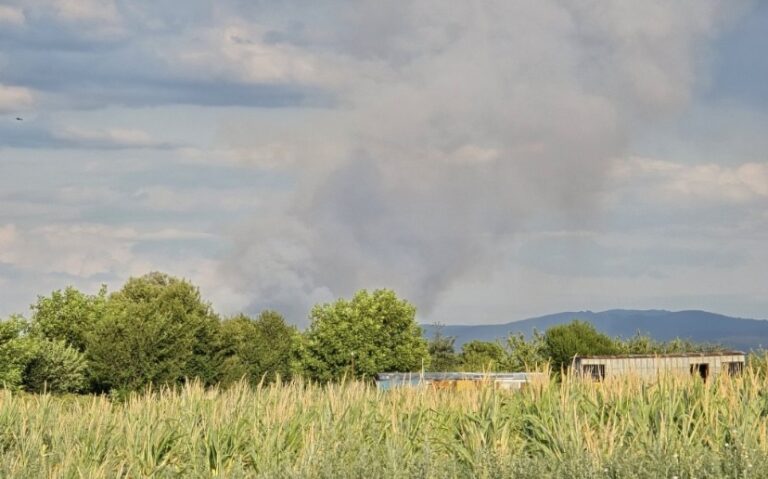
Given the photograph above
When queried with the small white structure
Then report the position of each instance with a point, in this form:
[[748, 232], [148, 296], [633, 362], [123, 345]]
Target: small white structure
[[457, 380], [650, 366]]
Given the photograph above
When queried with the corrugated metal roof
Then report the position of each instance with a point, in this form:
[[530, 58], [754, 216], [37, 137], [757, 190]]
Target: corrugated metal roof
[[385, 381], [672, 355], [444, 376]]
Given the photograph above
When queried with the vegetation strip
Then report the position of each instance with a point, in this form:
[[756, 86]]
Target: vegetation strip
[[674, 427]]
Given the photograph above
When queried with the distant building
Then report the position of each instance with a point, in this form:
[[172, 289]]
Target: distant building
[[704, 365], [455, 381]]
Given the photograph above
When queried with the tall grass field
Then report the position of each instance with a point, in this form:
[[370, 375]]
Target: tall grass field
[[672, 428]]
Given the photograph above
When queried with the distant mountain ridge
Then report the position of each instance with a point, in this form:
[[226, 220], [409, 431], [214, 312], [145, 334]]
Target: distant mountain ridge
[[700, 326]]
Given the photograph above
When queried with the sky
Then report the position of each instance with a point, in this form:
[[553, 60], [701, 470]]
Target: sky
[[488, 160]]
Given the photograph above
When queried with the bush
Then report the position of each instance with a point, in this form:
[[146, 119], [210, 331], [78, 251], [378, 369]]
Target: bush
[[55, 367], [16, 350]]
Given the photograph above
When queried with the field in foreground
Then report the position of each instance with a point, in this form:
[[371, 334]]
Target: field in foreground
[[675, 428]]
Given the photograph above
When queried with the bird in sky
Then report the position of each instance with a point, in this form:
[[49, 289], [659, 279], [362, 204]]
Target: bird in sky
[[18, 118]]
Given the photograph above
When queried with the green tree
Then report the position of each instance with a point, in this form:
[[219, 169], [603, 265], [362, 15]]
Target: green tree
[[525, 355], [641, 344], [562, 343], [371, 333], [481, 356], [55, 367], [256, 349], [156, 329], [16, 351], [442, 354], [67, 315]]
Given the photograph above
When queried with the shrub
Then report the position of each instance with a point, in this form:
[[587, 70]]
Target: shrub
[[16, 350], [55, 367]]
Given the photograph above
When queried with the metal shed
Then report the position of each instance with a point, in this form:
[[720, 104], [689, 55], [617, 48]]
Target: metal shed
[[455, 380], [704, 365]]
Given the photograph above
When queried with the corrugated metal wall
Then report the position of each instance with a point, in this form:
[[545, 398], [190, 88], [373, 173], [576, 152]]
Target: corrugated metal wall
[[652, 366]]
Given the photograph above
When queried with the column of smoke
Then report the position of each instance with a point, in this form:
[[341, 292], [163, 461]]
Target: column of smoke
[[463, 122]]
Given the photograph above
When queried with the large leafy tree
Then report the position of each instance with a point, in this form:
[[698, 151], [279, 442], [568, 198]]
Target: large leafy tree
[[373, 332], [481, 356], [525, 355], [442, 353], [258, 349], [67, 315], [562, 343], [156, 329]]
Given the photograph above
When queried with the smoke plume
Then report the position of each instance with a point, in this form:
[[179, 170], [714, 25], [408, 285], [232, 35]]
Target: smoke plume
[[455, 125]]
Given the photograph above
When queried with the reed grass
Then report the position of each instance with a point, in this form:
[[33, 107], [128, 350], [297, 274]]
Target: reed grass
[[673, 427]]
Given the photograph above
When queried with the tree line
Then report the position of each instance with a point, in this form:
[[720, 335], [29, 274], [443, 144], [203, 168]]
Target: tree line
[[158, 330], [553, 348]]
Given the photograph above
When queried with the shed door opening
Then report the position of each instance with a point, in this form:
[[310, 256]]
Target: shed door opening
[[594, 371], [701, 370], [734, 368]]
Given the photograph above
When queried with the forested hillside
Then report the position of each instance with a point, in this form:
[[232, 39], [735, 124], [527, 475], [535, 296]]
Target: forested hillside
[[696, 326]]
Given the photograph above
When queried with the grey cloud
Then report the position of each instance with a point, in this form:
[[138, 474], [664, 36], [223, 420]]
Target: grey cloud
[[112, 187], [585, 257], [86, 82], [136, 63], [31, 135]]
